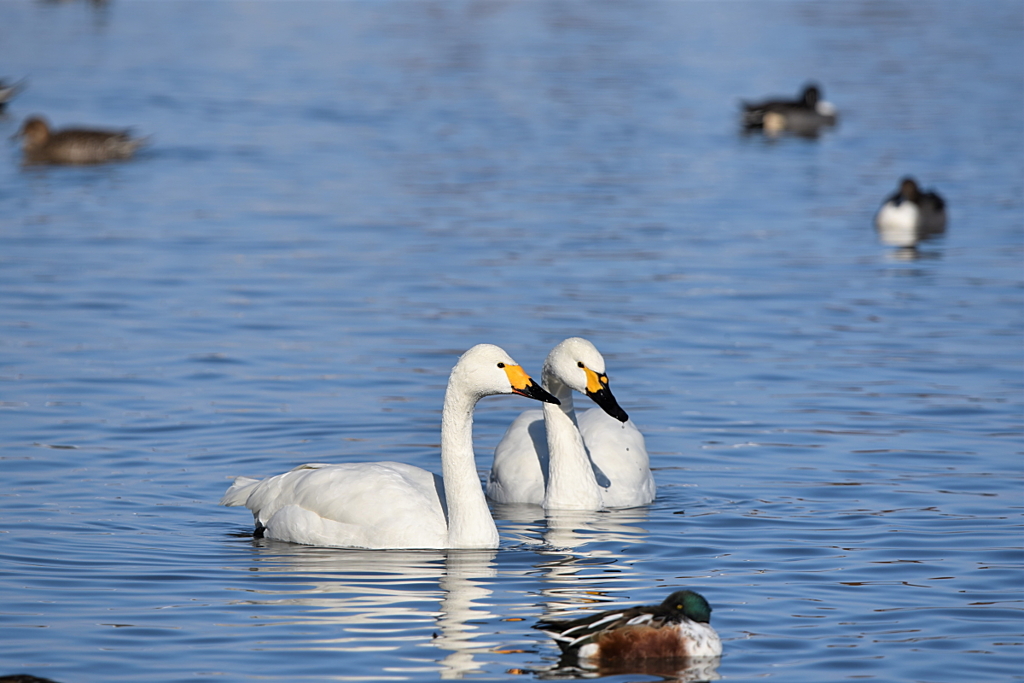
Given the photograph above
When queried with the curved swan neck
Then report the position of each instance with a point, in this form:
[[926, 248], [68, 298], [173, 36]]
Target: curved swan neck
[[560, 390], [470, 524], [571, 482]]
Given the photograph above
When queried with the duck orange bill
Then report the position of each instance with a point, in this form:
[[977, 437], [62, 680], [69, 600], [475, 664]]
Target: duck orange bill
[[524, 385], [601, 394]]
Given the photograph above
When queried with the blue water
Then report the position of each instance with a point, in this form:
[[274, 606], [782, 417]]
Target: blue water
[[339, 198]]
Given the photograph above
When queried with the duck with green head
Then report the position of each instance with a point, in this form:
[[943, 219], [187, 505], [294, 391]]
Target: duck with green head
[[677, 628]]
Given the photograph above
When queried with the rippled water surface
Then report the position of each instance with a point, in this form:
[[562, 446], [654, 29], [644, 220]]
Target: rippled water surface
[[339, 198]]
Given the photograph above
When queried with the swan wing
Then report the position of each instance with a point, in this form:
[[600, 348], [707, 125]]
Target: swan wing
[[520, 467], [620, 459], [360, 505]]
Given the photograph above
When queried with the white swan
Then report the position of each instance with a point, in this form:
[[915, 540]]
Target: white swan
[[391, 504], [552, 459]]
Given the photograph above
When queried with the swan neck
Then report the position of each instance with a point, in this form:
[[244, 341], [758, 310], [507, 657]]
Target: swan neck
[[560, 390], [470, 524], [571, 482]]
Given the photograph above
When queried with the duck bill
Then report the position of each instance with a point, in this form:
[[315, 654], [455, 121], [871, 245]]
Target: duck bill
[[601, 394], [524, 385]]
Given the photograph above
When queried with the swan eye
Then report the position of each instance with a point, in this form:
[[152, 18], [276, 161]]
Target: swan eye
[[580, 364], [501, 365]]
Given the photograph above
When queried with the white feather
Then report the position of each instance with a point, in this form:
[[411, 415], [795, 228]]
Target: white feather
[[701, 639], [639, 619]]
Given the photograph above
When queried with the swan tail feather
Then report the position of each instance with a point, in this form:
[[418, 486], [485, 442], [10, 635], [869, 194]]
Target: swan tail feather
[[239, 492]]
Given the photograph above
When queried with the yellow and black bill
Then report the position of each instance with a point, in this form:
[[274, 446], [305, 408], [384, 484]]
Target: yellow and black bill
[[601, 394], [524, 385]]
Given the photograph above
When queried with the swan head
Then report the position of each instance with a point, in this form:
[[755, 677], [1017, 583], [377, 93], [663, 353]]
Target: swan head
[[580, 366], [486, 370]]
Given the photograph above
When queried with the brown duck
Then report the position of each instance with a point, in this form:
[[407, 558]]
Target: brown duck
[[74, 145]]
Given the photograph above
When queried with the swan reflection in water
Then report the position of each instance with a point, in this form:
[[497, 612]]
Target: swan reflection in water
[[568, 529], [461, 595], [362, 590], [383, 601]]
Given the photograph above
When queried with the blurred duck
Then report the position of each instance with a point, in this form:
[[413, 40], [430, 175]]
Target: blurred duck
[[392, 504], [677, 628], [74, 145], [549, 457], [910, 216], [8, 91], [804, 116]]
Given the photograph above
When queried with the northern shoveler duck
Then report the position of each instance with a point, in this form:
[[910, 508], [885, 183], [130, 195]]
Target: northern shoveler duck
[[564, 461], [8, 91], [74, 145], [806, 115], [677, 628], [910, 216]]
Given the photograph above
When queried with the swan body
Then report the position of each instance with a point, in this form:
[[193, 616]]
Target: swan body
[[392, 504], [910, 216], [74, 145], [621, 463], [552, 458]]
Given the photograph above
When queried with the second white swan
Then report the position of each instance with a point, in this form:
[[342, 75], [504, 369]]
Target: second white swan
[[553, 459]]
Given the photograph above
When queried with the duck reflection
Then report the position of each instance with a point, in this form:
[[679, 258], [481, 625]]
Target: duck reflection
[[356, 588], [671, 670], [914, 253]]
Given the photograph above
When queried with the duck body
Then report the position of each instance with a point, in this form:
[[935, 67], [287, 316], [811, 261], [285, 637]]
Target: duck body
[[74, 146], [552, 458], [391, 504], [910, 216], [807, 115], [677, 628]]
